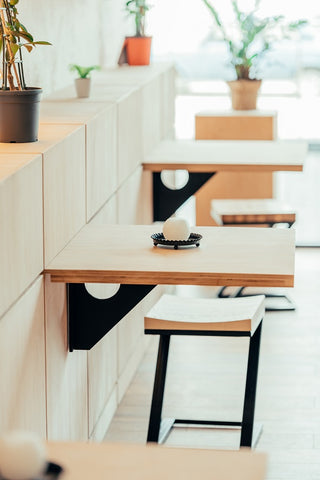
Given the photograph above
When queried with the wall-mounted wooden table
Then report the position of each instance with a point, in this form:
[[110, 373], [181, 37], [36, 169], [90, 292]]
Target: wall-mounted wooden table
[[83, 461], [125, 254], [204, 158]]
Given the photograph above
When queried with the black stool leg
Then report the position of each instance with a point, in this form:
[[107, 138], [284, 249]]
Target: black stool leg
[[250, 391], [158, 389]]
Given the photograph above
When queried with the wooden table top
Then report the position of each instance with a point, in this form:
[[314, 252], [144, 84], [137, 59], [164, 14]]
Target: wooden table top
[[226, 256], [232, 155], [103, 461]]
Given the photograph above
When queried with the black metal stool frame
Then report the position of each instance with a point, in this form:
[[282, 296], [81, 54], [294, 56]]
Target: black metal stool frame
[[159, 429]]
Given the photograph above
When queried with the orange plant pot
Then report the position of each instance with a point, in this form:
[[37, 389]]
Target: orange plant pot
[[244, 94], [138, 50]]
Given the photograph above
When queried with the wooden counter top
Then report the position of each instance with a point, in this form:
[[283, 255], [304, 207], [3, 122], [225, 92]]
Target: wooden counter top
[[231, 155], [226, 256], [105, 461]]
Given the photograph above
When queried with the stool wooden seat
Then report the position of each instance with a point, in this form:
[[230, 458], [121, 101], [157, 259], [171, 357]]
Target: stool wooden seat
[[263, 211], [237, 317]]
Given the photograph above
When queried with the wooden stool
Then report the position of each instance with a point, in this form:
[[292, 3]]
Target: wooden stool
[[263, 212], [235, 317]]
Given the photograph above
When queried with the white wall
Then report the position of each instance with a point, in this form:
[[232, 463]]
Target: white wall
[[86, 32]]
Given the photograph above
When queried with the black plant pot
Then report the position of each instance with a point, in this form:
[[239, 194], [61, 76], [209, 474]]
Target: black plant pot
[[19, 115]]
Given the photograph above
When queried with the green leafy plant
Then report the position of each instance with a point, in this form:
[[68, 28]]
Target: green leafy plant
[[83, 72], [138, 8], [14, 38], [251, 36]]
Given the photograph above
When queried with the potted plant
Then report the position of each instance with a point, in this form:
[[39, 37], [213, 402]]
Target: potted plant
[[19, 104], [250, 38], [138, 47], [83, 82]]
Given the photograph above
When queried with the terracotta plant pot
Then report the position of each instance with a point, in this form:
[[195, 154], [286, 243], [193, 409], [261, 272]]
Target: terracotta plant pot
[[83, 86], [138, 50], [244, 94], [19, 115]]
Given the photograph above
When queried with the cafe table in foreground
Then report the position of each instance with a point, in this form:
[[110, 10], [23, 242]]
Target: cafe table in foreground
[[103, 461], [126, 255]]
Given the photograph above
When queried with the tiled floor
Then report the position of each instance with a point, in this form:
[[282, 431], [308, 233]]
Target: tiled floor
[[206, 378]]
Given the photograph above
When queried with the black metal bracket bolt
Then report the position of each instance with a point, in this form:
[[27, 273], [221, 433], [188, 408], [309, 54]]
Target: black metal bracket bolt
[[90, 318], [167, 201]]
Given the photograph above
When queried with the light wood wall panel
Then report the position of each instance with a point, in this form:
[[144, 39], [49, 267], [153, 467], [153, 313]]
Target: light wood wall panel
[[102, 359], [233, 125], [135, 199], [108, 213], [63, 151], [102, 376], [131, 341], [152, 114], [73, 111], [100, 121], [67, 405], [64, 190], [67, 175], [102, 165], [130, 151], [22, 364], [21, 220]]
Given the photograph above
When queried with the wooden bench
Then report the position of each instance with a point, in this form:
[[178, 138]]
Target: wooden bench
[[235, 317]]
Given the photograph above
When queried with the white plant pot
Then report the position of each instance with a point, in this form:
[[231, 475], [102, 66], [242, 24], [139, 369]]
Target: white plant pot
[[83, 87]]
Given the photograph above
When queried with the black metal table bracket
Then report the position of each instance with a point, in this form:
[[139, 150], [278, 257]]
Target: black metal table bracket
[[167, 201], [90, 318]]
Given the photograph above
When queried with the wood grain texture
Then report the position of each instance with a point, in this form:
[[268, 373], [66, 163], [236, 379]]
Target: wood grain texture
[[233, 211], [102, 376], [49, 137], [108, 213], [67, 391], [227, 185], [21, 220], [100, 120], [219, 156], [135, 199], [101, 159], [130, 141], [209, 314], [125, 254], [103, 358], [82, 461], [252, 125], [22, 364], [64, 190], [236, 125]]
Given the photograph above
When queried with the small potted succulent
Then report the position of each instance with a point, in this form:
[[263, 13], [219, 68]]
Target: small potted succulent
[[138, 47], [19, 104], [248, 39], [83, 82]]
